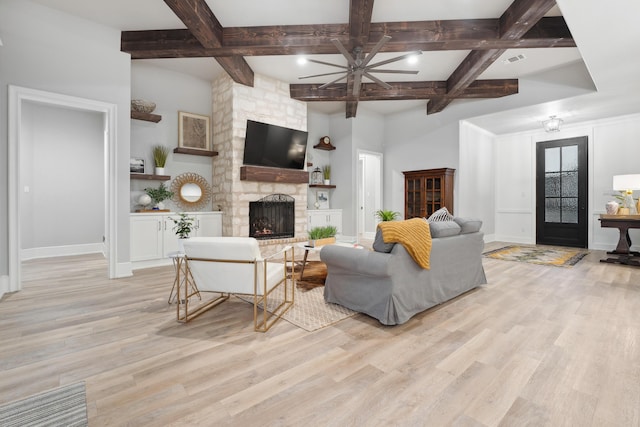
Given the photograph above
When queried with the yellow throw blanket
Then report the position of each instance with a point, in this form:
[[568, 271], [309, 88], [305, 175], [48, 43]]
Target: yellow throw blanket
[[414, 234]]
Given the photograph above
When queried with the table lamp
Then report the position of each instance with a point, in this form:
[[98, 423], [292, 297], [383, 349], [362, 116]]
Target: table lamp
[[626, 184]]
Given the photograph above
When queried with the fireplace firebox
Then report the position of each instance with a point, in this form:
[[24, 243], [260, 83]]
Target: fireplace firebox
[[272, 217]]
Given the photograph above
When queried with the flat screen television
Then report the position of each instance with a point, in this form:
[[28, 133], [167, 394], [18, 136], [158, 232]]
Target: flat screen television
[[274, 146]]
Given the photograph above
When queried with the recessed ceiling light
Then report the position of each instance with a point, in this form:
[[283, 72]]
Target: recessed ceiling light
[[513, 59], [302, 60]]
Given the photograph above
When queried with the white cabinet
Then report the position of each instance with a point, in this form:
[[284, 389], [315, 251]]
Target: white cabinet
[[152, 235], [324, 217]]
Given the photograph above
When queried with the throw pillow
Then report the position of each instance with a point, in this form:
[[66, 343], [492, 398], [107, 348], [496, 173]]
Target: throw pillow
[[468, 225], [441, 214], [444, 228], [379, 245]]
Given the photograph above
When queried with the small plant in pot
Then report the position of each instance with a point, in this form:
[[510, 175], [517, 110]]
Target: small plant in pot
[[158, 195], [386, 215], [160, 154], [183, 225], [319, 236], [326, 173]]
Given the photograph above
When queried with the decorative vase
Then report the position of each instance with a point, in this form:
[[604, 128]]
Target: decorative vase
[[327, 182], [623, 211], [612, 207], [159, 171], [159, 206], [181, 244]]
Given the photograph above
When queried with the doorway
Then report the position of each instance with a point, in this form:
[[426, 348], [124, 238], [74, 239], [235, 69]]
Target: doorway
[[19, 99], [369, 192], [561, 192]]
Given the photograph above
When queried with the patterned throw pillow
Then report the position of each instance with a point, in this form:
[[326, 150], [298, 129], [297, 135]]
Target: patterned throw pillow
[[441, 214]]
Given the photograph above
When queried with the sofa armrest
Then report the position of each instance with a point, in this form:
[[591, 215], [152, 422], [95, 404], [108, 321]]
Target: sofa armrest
[[357, 261]]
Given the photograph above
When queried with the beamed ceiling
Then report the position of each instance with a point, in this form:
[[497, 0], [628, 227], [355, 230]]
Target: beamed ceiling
[[523, 25]]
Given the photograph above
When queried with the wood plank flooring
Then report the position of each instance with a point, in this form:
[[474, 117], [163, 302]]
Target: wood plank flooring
[[536, 346]]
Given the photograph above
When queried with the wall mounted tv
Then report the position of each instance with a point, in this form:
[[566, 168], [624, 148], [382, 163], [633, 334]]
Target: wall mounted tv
[[274, 146]]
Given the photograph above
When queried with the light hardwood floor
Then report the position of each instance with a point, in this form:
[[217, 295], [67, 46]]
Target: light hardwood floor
[[536, 346]]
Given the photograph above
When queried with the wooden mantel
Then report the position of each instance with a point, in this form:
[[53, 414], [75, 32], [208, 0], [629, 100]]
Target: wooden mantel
[[266, 174]]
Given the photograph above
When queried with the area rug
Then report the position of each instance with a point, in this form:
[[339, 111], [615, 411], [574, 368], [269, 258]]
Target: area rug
[[310, 311], [543, 255], [63, 406], [315, 273]]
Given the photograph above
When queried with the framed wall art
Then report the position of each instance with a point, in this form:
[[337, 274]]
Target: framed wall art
[[322, 199], [136, 165], [194, 131]]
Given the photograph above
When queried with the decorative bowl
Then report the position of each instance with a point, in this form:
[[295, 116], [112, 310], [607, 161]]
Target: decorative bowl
[[142, 105]]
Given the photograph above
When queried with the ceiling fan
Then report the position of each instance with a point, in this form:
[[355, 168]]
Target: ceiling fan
[[358, 66]]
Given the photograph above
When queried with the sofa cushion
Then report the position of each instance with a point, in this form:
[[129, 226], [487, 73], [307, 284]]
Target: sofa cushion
[[468, 225], [441, 214], [379, 245], [444, 228]]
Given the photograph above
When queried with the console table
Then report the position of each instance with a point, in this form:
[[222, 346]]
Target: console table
[[623, 253]]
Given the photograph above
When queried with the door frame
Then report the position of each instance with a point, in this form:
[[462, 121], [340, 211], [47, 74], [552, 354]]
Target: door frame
[[361, 185], [587, 176], [17, 97]]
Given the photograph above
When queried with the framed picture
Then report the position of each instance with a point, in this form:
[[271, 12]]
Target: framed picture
[[194, 131], [322, 198], [136, 165]]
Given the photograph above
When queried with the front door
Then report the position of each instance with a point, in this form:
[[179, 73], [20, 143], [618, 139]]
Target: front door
[[561, 192]]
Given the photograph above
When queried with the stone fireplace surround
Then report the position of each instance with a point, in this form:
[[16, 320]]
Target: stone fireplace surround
[[268, 101]]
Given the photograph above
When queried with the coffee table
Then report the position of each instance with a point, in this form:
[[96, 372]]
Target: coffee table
[[304, 245]]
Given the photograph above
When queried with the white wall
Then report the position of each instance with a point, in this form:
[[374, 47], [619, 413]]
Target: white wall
[[317, 126], [48, 50], [62, 167], [172, 92]]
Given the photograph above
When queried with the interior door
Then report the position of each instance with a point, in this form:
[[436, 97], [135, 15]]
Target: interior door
[[561, 192]]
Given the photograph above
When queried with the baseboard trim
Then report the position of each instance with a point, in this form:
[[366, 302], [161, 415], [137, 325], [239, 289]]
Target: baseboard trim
[[123, 269], [161, 262], [4, 285], [55, 251]]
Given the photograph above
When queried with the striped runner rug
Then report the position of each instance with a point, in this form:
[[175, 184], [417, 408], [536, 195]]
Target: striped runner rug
[[63, 406]]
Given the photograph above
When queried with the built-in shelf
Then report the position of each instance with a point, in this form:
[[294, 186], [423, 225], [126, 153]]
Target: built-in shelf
[[194, 152], [150, 177], [149, 117], [321, 186], [266, 174]]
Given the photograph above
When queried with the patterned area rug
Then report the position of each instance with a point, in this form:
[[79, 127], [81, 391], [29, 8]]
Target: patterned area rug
[[543, 255], [63, 406]]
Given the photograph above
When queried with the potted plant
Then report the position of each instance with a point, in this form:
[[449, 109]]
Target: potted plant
[[320, 236], [183, 225], [160, 154], [158, 195], [326, 173], [385, 215]]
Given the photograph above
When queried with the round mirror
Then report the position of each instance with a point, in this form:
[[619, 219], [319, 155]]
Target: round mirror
[[190, 191]]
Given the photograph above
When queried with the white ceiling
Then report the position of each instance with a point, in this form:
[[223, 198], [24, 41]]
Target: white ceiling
[[605, 32]]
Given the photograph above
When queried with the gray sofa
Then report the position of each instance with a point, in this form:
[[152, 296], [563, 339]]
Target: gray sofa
[[391, 287]]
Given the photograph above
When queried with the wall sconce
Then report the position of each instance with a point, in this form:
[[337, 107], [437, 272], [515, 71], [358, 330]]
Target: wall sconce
[[553, 124], [626, 184]]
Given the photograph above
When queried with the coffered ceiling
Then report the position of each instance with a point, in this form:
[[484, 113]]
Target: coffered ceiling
[[466, 44]]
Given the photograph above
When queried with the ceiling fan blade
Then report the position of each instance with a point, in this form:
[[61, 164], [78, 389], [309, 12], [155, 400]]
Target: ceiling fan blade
[[334, 81], [375, 49], [377, 80], [374, 70], [320, 75], [327, 63], [397, 58], [344, 52]]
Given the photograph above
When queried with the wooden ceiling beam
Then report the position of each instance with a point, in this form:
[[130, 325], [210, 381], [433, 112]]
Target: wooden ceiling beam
[[205, 27], [519, 18], [360, 12], [316, 39], [403, 91]]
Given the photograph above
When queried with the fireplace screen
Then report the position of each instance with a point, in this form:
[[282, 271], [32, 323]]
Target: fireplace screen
[[272, 217]]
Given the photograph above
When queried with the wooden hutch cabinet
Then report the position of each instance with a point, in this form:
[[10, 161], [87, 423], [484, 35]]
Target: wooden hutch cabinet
[[426, 191]]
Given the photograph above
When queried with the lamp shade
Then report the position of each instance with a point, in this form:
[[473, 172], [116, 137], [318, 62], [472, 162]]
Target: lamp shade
[[626, 182]]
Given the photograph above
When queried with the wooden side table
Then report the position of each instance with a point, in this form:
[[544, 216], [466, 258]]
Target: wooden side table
[[623, 253]]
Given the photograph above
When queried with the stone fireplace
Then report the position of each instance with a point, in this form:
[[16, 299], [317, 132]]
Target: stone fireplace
[[272, 217], [268, 101]]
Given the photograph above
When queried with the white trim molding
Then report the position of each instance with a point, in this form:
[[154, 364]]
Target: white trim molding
[[19, 95], [68, 250]]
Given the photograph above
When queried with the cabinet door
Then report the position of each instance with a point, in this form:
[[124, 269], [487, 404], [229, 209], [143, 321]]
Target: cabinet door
[[317, 219], [208, 225], [335, 219], [415, 203], [146, 237], [169, 237]]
